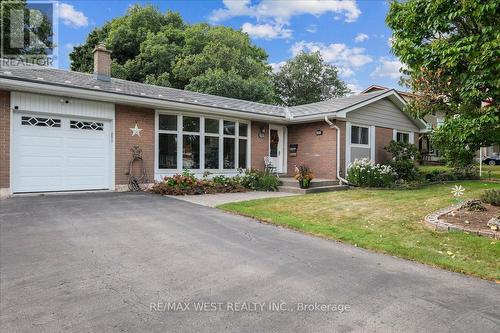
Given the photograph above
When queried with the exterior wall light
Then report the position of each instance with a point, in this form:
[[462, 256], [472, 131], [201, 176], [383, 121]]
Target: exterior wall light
[[262, 132], [319, 131]]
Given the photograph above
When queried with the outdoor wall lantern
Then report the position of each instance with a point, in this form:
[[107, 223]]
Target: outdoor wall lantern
[[262, 132], [319, 131]]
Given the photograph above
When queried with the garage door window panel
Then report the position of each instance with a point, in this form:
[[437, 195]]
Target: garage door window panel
[[40, 121], [86, 125]]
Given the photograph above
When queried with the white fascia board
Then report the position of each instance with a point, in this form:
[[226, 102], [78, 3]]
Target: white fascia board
[[315, 117], [40, 88]]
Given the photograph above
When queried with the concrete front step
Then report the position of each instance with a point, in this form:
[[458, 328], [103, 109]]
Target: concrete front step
[[291, 182], [292, 189]]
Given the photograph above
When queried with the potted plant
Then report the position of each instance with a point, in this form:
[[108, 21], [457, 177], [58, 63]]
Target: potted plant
[[304, 175]]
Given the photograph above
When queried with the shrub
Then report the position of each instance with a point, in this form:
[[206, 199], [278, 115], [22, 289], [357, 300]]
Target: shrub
[[404, 157], [491, 197], [452, 174], [474, 206], [366, 173], [259, 181]]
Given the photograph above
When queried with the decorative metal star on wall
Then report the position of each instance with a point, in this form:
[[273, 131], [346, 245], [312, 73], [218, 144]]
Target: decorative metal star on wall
[[136, 130]]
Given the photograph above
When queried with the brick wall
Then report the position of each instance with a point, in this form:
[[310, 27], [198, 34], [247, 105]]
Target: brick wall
[[126, 118], [260, 146], [4, 139], [316, 151], [383, 136]]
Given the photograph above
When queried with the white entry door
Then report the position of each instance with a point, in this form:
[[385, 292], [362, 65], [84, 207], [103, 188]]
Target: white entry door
[[60, 153], [276, 147]]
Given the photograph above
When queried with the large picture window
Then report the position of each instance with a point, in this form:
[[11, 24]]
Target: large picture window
[[359, 135], [199, 143]]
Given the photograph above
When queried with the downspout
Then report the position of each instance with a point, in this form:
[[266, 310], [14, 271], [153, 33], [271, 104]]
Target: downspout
[[332, 125]]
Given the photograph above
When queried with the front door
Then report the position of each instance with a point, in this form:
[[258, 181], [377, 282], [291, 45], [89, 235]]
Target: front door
[[276, 147]]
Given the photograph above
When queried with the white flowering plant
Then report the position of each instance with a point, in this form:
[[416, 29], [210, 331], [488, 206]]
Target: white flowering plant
[[365, 173]]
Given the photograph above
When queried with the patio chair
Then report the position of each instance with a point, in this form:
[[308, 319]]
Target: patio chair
[[268, 165]]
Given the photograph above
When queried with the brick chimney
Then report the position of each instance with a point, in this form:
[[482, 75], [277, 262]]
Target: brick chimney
[[102, 63]]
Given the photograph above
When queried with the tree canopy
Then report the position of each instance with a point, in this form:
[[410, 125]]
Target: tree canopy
[[451, 49], [161, 49], [307, 78]]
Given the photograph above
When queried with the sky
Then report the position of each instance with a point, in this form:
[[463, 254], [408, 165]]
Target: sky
[[350, 34]]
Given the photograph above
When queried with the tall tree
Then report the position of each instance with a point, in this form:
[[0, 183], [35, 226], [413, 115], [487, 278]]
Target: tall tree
[[452, 49], [161, 49], [307, 78]]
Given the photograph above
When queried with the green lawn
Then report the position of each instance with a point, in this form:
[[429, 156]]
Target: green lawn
[[495, 170], [389, 221]]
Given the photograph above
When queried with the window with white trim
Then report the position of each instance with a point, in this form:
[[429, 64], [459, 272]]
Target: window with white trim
[[402, 137], [360, 135], [190, 142], [212, 143], [201, 143], [242, 145], [167, 141]]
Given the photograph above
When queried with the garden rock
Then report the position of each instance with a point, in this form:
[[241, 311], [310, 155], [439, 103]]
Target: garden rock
[[494, 223]]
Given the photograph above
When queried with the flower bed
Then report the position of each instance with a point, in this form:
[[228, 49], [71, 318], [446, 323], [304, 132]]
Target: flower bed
[[186, 183], [459, 218], [365, 173]]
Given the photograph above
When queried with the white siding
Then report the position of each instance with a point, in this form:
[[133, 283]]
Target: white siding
[[58, 105], [382, 113]]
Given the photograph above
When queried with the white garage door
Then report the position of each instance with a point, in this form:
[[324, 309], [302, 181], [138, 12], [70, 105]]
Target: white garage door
[[60, 153]]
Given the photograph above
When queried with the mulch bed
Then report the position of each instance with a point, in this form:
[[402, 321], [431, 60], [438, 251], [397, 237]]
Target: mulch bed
[[476, 221]]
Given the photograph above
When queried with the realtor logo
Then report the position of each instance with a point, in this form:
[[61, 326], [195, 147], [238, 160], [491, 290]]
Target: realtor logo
[[27, 32]]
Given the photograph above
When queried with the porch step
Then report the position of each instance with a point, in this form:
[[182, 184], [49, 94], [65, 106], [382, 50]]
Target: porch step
[[291, 182], [318, 189]]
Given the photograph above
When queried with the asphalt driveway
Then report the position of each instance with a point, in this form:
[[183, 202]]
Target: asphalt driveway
[[125, 262]]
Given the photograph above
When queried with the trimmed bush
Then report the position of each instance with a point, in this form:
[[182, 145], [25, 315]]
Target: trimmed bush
[[491, 197], [366, 173]]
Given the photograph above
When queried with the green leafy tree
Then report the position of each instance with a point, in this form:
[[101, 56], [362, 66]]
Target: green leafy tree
[[307, 78], [161, 49], [451, 49]]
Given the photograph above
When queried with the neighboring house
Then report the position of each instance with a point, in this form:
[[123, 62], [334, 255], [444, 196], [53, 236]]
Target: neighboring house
[[433, 120], [62, 130]]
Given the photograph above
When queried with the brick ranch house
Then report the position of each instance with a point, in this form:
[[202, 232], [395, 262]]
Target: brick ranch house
[[64, 131]]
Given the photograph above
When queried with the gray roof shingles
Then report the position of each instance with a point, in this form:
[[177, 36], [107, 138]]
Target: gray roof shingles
[[79, 80]]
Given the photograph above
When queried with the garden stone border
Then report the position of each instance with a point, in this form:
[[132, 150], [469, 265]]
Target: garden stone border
[[434, 221]]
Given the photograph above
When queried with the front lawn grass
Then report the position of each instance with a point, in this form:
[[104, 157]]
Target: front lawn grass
[[388, 221]]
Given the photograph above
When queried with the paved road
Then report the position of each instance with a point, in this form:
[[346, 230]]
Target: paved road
[[96, 263]]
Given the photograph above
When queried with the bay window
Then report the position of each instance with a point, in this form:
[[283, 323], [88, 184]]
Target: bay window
[[199, 143]]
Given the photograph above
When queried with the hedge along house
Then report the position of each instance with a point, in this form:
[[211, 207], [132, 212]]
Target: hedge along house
[[66, 131]]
